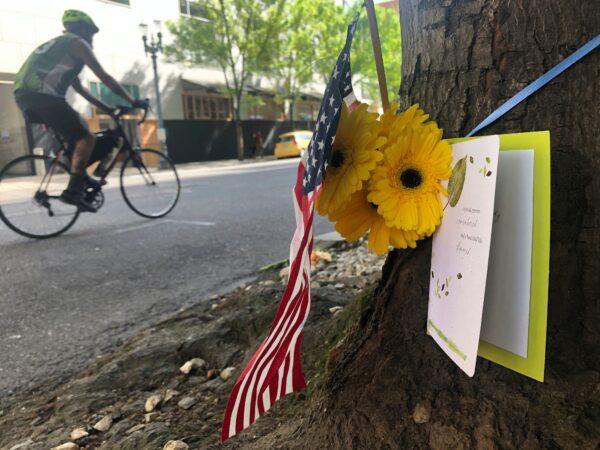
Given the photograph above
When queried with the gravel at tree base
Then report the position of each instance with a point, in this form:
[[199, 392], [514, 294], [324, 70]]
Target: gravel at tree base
[[171, 382], [114, 390]]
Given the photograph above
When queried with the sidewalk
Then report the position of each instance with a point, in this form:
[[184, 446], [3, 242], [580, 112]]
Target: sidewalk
[[20, 188]]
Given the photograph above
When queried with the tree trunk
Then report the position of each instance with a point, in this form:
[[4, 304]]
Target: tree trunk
[[292, 104], [461, 59], [239, 137], [237, 123]]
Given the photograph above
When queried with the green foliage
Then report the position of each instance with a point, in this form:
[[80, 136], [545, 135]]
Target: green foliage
[[362, 59], [292, 42], [240, 37], [307, 45], [313, 36]]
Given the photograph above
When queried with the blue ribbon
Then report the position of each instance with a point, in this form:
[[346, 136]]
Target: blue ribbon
[[537, 84]]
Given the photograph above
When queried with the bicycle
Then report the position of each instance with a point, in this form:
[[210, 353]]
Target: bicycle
[[149, 183]]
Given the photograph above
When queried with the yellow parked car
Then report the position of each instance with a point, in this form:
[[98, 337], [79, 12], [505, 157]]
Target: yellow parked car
[[292, 144]]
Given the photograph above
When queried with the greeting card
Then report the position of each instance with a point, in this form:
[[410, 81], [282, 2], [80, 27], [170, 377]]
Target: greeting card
[[508, 315], [461, 247]]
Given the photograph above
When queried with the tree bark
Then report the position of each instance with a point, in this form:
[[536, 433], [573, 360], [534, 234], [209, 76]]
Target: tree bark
[[461, 59], [239, 138]]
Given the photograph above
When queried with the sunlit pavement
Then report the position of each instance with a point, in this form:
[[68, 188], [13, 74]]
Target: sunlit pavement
[[65, 300]]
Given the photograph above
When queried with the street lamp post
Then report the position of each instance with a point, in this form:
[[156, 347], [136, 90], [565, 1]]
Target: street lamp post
[[153, 47]]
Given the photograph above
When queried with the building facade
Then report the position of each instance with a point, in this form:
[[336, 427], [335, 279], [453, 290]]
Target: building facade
[[186, 93]]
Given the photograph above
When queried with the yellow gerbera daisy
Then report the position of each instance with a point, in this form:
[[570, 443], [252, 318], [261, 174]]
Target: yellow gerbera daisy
[[354, 156], [413, 116], [406, 185], [359, 216]]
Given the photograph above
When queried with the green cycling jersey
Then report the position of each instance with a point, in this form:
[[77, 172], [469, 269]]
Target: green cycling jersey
[[51, 68]]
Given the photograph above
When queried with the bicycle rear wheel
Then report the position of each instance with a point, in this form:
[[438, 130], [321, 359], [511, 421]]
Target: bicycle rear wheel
[[30, 187], [149, 183]]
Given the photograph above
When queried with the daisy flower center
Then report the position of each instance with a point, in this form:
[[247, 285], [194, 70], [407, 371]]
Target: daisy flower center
[[337, 158], [411, 178]]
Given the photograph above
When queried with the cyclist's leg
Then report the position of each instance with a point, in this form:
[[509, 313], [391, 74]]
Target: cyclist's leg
[[63, 119], [75, 192], [81, 155]]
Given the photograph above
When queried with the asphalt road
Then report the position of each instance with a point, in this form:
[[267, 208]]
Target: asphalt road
[[66, 300]]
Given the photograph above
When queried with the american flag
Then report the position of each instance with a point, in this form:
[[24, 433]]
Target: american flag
[[275, 370]]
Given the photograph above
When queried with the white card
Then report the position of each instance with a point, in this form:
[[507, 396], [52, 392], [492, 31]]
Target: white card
[[461, 248], [506, 308]]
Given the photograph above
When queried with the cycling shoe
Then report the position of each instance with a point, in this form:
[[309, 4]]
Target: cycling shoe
[[78, 199]]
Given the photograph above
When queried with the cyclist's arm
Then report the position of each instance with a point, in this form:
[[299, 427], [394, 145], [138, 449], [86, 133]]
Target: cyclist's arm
[[84, 52], [85, 93]]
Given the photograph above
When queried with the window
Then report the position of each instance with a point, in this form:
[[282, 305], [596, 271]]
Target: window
[[192, 8], [199, 106], [306, 109], [101, 91]]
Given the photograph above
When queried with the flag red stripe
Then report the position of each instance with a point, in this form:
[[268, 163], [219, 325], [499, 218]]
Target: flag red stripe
[[275, 368], [276, 355], [274, 360]]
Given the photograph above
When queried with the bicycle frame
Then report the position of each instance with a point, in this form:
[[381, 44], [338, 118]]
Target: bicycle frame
[[55, 164], [124, 148]]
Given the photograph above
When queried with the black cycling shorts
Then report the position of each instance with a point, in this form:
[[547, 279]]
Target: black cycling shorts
[[54, 112]]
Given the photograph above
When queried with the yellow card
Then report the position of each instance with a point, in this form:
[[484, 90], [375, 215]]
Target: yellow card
[[532, 364]]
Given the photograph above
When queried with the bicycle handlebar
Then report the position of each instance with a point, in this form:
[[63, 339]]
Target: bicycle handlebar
[[122, 110]]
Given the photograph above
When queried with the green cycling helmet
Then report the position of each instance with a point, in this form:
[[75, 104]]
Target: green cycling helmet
[[74, 16]]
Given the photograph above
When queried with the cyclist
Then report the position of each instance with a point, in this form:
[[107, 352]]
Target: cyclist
[[41, 85]]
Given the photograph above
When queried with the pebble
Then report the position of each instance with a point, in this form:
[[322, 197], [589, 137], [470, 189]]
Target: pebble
[[175, 445], [322, 255], [283, 273], [79, 433], [421, 413], [212, 373], [213, 384], [335, 310], [117, 414], [268, 283], [67, 446], [152, 402], [136, 428], [103, 424], [22, 445], [36, 421], [339, 286], [169, 394], [187, 402], [192, 364], [226, 373]]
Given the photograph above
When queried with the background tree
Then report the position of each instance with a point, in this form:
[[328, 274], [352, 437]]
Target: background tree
[[310, 34], [388, 384], [311, 37], [362, 60], [239, 37]]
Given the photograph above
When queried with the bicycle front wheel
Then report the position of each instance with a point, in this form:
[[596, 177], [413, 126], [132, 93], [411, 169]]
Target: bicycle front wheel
[[149, 183], [30, 187]]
